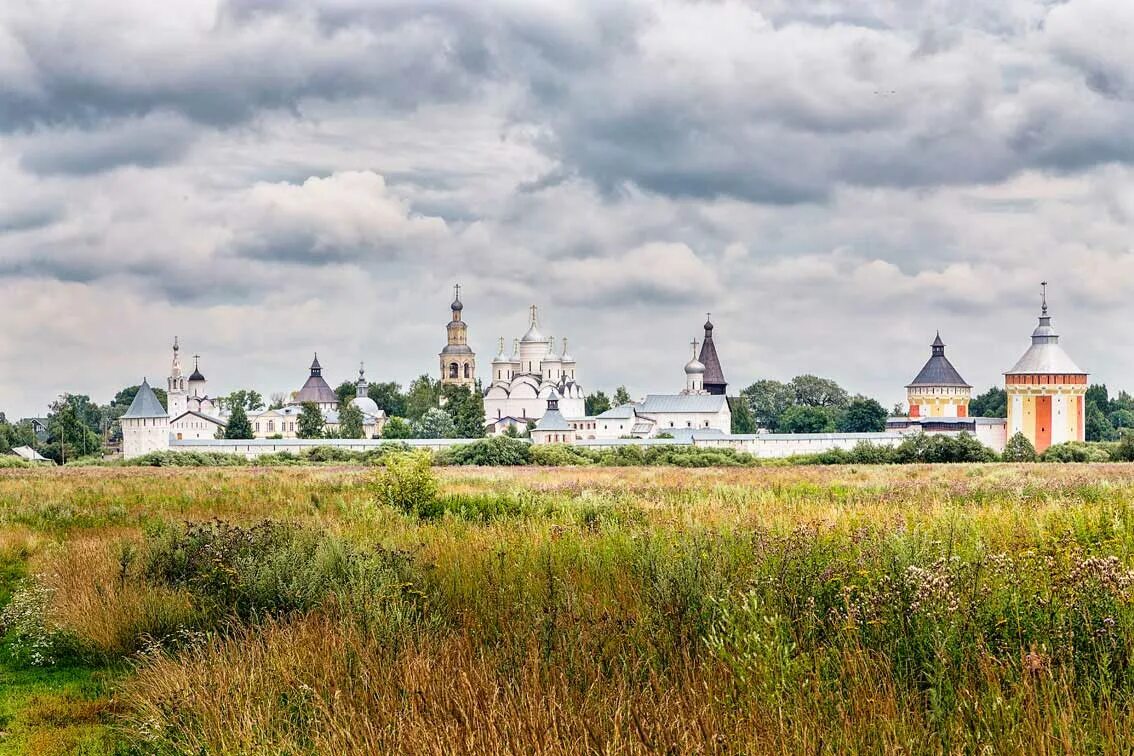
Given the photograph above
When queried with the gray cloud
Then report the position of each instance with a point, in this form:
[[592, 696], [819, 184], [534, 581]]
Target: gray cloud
[[833, 180]]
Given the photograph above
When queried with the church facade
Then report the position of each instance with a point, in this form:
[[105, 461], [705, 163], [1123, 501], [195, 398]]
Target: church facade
[[523, 381]]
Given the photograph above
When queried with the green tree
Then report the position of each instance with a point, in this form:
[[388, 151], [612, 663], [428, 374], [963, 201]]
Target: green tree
[[249, 399], [1125, 450], [596, 404], [1098, 395], [992, 403], [621, 396], [813, 391], [1098, 428], [742, 419], [435, 423], [862, 415], [72, 422], [406, 482], [238, 425], [1121, 418], [346, 391], [768, 400], [310, 422], [388, 397], [806, 419], [350, 421], [466, 408], [424, 394], [1019, 449], [397, 427], [277, 400]]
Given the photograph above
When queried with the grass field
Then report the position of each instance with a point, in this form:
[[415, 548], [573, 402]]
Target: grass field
[[884, 609]]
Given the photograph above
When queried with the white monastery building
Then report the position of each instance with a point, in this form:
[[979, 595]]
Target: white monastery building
[[523, 382]]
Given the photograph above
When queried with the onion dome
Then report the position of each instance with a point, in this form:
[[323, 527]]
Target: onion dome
[[694, 366], [500, 359], [196, 374], [533, 333], [566, 355]]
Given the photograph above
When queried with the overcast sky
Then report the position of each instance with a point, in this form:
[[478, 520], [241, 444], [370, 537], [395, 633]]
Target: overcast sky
[[834, 180]]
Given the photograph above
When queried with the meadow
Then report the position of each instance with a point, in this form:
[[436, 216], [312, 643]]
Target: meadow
[[918, 609]]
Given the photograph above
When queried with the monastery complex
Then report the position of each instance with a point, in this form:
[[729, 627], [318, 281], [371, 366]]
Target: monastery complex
[[536, 386]]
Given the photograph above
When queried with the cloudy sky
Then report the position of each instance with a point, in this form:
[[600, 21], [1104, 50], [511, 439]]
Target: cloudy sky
[[834, 180]]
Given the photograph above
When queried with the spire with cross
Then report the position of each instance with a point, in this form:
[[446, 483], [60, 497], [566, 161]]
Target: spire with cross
[[1043, 288]]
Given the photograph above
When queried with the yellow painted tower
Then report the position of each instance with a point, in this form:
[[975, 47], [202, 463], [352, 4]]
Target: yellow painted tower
[[458, 361], [938, 390], [1046, 390]]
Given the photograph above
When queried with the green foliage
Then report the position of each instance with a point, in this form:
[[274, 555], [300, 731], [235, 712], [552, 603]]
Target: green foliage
[[310, 421], [768, 400], [30, 637], [493, 452], [397, 427], [1124, 452], [73, 424], [621, 396], [388, 397], [407, 483], [596, 403], [1098, 427], [423, 395], [813, 391], [466, 408], [1121, 419], [350, 421], [992, 403], [806, 419], [1076, 451], [249, 400], [742, 419], [862, 415], [238, 425], [435, 423], [918, 448], [346, 391], [562, 455], [1019, 449], [268, 569]]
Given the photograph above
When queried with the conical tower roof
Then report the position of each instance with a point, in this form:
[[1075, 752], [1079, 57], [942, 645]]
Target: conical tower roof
[[714, 376], [145, 404], [938, 371], [1045, 356]]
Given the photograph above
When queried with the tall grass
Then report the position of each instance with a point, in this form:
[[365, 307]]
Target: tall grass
[[912, 610]]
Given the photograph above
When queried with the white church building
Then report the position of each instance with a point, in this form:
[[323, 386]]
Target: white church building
[[523, 381]]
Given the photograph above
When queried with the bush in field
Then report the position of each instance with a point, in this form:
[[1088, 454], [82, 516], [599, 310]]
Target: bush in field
[[31, 638], [269, 569], [1019, 449], [1124, 452], [562, 455], [497, 451], [406, 482], [11, 462], [1076, 451], [187, 459]]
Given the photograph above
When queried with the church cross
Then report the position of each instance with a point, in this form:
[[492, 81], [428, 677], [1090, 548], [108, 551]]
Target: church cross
[[457, 290], [1043, 285], [533, 314]]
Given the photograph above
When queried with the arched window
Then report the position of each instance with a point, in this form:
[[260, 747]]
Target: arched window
[[453, 370], [468, 370]]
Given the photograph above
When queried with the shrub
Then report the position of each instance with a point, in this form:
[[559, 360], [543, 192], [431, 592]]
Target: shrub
[[1124, 452], [1076, 451], [562, 455], [497, 451], [1019, 449], [31, 638], [187, 459], [406, 482], [12, 462], [269, 569]]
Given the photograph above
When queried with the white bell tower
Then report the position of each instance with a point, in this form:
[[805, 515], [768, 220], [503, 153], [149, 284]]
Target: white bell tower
[[178, 388]]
